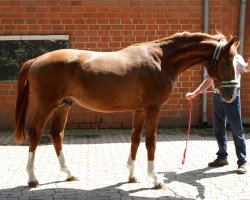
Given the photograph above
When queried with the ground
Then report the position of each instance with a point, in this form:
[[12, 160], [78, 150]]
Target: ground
[[98, 158]]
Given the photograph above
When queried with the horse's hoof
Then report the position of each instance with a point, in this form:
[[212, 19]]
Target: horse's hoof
[[159, 186], [72, 178], [33, 184], [133, 179]]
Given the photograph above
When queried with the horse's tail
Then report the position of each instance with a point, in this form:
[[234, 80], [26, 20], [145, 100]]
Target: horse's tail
[[22, 102]]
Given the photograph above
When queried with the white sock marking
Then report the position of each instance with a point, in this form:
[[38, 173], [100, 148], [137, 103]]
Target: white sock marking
[[131, 165], [63, 166], [153, 174], [30, 167]]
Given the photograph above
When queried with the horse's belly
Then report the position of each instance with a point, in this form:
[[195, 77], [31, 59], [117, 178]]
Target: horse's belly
[[101, 105], [107, 93]]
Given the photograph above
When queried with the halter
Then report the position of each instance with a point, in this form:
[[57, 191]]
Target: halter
[[217, 52]]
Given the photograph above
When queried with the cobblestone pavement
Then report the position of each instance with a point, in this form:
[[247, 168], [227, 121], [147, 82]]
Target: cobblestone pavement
[[98, 158]]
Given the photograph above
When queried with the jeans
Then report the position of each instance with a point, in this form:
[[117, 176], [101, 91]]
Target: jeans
[[232, 112]]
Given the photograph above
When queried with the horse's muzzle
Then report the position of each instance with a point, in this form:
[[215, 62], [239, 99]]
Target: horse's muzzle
[[228, 94]]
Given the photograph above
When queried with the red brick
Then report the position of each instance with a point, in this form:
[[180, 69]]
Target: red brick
[[84, 126], [105, 27], [69, 21], [55, 21], [5, 86], [72, 126], [129, 27], [70, 27], [117, 27], [123, 15], [135, 3], [58, 27], [94, 125], [2, 98], [76, 3], [138, 33], [9, 27], [102, 9], [4, 3], [103, 33], [31, 21], [105, 125], [106, 39], [34, 27], [111, 15], [114, 21], [52, 15], [5, 9], [91, 46], [115, 125], [31, 9], [67, 9]]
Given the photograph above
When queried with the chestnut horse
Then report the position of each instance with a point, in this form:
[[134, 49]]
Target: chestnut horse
[[140, 77]]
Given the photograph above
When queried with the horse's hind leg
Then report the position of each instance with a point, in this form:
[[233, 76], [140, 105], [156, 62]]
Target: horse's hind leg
[[39, 122], [136, 134], [152, 117], [59, 120]]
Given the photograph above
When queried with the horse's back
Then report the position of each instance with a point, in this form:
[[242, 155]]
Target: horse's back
[[66, 57]]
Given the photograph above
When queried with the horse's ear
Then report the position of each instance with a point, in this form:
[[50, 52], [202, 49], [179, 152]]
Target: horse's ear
[[237, 43], [232, 43]]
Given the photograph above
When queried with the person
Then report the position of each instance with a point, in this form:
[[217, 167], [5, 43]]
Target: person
[[223, 111]]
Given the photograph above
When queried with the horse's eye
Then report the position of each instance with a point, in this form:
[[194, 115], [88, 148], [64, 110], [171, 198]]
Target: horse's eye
[[227, 63]]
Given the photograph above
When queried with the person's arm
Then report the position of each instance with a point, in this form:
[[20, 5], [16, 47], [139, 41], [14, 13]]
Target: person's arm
[[201, 88], [244, 66]]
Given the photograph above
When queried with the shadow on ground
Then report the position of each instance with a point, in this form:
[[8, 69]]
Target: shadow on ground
[[112, 191], [192, 178]]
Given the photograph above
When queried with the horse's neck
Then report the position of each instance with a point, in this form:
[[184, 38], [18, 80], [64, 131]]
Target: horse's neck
[[182, 56]]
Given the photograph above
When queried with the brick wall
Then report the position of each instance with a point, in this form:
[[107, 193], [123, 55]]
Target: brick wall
[[108, 25]]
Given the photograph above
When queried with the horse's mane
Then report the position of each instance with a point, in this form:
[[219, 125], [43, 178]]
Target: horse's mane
[[182, 36]]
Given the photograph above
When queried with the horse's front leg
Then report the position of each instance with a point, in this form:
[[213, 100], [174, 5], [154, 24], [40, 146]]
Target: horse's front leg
[[56, 134], [136, 134], [152, 117]]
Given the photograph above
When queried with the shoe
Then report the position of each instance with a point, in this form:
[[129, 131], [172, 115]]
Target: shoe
[[218, 163], [242, 169]]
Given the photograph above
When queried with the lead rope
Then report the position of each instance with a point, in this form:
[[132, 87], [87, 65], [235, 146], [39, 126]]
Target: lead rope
[[189, 125], [188, 132]]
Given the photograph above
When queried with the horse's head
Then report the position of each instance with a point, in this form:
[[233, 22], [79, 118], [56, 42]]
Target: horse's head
[[223, 69]]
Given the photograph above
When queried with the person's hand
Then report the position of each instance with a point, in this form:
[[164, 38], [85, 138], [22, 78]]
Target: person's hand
[[190, 95], [247, 70]]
